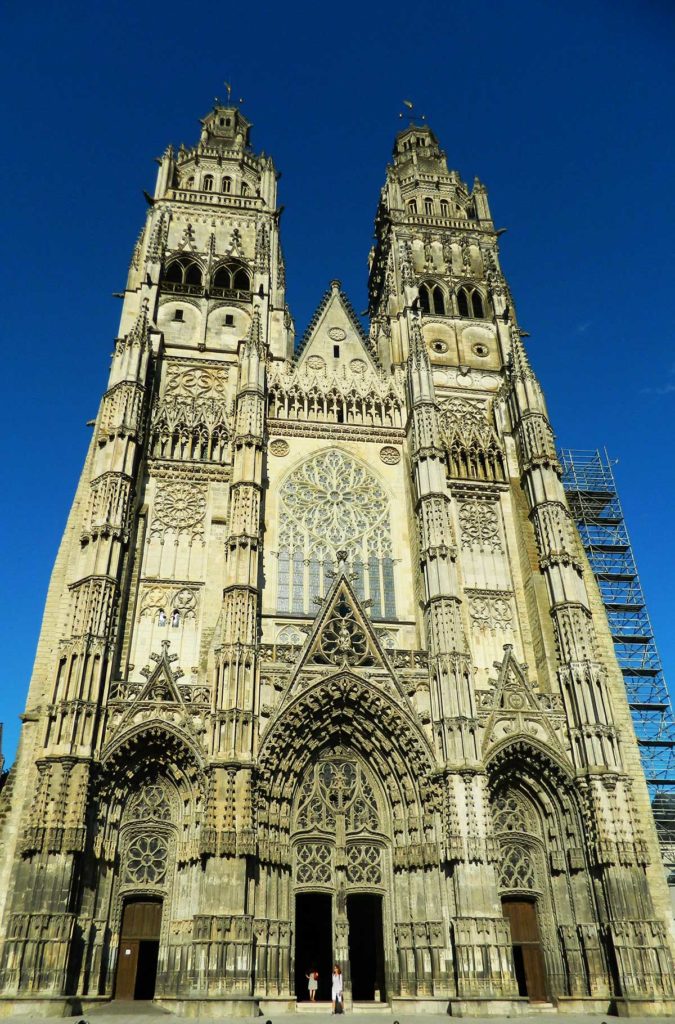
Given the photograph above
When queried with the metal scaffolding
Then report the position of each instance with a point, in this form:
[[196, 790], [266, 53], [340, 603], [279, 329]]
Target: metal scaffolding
[[591, 492]]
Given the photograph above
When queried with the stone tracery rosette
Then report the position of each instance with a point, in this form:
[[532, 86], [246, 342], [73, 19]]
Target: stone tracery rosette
[[179, 507]]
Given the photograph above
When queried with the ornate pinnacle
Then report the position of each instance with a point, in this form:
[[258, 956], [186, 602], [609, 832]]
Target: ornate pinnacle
[[138, 335]]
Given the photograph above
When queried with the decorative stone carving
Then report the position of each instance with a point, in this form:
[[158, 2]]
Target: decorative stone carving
[[313, 864], [279, 447], [179, 507], [390, 455], [490, 609], [196, 381], [364, 864], [336, 334], [167, 598], [146, 860], [479, 526]]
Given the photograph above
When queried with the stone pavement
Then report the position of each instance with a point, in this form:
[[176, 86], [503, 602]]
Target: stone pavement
[[146, 1013]]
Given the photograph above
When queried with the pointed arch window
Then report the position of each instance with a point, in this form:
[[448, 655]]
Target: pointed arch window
[[332, 503], [470, 302], [432, 298], [183, 274], [231, 276]]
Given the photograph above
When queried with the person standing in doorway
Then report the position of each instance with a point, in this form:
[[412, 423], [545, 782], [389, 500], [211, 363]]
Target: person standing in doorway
[[336, 991], [312, 984]]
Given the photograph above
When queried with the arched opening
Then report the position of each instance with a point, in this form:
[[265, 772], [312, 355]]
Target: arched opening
[[227, 185], [462, 302], [174, 273], [193, 274], [139, 948], [477, 303], [439, 301], [412, 206], [222, 278], [543, 877], [528, 956], [241, 280], [428, 206], [207, 184], [445, 208], [340, 837], [432, 298]]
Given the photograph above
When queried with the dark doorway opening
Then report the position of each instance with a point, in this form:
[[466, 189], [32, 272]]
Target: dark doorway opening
[[313, 943], [366, 946], [138, 950], [528, 956]]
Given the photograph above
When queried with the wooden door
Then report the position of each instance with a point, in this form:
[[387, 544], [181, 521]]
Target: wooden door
[[127, 966], [141, 922], [528, 957]]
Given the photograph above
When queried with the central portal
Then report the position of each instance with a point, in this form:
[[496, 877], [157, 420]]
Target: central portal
[[366, 947], [313, 943]]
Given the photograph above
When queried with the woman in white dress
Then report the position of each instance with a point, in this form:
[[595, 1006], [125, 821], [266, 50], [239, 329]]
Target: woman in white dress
[[336, 990]]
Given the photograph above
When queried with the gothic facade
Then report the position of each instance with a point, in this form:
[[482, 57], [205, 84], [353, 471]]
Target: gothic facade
[[323, 674]]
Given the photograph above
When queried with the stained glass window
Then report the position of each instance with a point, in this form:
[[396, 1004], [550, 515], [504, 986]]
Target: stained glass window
[[329, 503]]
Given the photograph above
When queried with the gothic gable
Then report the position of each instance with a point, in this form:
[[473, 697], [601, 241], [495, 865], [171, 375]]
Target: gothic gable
[[158, 700], [513, 708], [343, 638], [335, 340]]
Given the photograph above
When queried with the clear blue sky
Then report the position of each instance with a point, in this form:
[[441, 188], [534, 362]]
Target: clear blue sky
[[564, 109]]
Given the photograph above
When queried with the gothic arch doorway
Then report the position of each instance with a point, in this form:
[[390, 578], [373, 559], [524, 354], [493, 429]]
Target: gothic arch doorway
[[528, 957], [139, 948], [341, 864]]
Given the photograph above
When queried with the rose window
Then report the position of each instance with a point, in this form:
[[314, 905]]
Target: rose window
[[329, 503], [180, 507], [146, 860]]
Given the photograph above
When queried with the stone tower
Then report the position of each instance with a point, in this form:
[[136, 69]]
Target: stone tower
[[323, 675]]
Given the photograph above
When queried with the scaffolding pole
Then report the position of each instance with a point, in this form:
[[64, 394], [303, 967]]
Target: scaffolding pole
[[591, 490]]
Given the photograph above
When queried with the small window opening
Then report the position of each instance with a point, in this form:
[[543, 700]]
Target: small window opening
[[228, 123], [244, 188], [477, 303], [175, 618], [445, 208], [208, 183], [227, 184], [462, 302], [336, 351], [229, 319], [222, 122], [439, 301], [412, 206], [161, 618], [428, 206], [424, 299], [340, 416], [178, 315]]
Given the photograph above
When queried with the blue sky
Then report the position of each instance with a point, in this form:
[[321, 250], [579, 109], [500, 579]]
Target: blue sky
[[563, 109]]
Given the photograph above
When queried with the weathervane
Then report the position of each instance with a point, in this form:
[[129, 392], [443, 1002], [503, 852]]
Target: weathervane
[[409, 112]]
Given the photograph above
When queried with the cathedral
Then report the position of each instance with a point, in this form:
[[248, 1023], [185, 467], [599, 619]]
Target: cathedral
[[324, 676]]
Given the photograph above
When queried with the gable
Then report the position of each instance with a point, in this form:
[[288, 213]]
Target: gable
[[335, 342]]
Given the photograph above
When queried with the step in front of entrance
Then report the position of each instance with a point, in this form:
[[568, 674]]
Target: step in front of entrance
[[325, 1007]]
